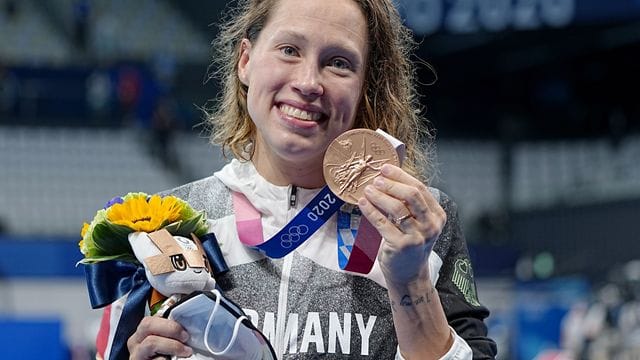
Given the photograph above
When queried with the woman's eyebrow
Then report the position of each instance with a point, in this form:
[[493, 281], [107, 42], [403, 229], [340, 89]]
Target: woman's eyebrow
[[289, 35], [295, 36]]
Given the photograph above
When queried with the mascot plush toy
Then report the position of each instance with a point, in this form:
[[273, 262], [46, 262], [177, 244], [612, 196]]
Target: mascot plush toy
[[173, 265], [151, 255]]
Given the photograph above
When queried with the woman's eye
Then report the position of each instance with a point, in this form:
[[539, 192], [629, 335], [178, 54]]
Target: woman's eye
[[340, 63], [289, 51]]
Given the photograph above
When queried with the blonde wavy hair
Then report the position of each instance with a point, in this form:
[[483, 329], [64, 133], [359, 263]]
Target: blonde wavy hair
[[390, 100]]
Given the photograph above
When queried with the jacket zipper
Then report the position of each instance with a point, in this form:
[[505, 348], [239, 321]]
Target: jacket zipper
[[283, 294], [293, 196]]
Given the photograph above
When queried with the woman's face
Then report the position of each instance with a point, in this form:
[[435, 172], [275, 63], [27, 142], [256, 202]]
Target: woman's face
[[305, 75]]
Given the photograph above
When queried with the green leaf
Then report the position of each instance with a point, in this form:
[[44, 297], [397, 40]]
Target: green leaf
[[97, 259], [111, 239], [196, 225]]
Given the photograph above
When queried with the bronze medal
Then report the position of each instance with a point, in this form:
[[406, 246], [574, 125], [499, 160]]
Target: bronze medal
[[354, 159]]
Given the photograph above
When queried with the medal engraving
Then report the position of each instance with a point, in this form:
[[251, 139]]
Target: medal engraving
[[354, 159]]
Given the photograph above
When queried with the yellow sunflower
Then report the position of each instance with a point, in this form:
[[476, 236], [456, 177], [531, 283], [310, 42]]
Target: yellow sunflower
[[106, 237], [140, 214]]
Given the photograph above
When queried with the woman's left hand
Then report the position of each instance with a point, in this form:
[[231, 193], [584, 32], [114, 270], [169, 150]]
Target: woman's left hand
[[409, 219]]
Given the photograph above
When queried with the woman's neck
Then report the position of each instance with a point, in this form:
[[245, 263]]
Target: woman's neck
[[306, 174]]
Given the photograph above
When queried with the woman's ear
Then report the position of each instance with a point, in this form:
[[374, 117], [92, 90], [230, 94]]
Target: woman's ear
[[243, 63]]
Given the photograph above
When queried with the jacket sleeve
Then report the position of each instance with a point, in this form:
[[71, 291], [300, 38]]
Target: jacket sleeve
[[459, 350], [457, 288]]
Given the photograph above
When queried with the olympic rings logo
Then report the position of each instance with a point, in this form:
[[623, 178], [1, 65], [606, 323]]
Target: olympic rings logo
[[293, 236]]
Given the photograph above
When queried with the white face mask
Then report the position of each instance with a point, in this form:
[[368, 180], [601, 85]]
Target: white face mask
[[219, 328]]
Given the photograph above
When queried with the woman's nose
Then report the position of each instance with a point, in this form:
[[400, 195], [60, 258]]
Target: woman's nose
[[307, 81]]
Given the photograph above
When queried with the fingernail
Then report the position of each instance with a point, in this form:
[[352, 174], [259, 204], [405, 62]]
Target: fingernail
[[378, 182], [187, 351], [386, 169], [184, 336], [368, 189]]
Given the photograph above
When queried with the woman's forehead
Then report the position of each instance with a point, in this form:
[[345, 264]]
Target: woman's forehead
[[344, 15]]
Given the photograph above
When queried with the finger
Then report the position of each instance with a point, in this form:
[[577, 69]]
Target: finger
[[154, 325], [376, 207], [390, 206], [157, 347], [405, 196], [156, 335], [415, 201], [378, 219], [395, 173], [413, 193]]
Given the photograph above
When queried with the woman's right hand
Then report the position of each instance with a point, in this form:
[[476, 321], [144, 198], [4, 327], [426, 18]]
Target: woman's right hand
[[157, 337]]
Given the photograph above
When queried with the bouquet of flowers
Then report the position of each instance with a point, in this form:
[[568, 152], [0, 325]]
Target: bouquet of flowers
[[139, 250], [139, 246], [106, 237]]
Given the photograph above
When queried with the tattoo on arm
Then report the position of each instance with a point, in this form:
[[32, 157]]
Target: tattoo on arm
[[407, 301]]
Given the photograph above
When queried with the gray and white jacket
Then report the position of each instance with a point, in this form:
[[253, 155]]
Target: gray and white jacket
[[304, 303]]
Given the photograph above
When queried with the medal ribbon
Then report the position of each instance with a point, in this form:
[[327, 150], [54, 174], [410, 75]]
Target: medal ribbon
[[297, 231], [357, 245], [357, 241]]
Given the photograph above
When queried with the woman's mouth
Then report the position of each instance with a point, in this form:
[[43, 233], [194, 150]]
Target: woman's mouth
[[299, 113]]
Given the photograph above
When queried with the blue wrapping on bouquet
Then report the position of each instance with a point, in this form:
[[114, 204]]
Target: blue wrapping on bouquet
[[110, 280]]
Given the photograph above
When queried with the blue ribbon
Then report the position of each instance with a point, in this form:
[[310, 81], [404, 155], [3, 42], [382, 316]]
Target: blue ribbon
[[303, 225], [108, 281], [346, 237], [214, 254]]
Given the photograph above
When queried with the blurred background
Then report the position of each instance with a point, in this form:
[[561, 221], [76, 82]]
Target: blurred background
[[537, 111]]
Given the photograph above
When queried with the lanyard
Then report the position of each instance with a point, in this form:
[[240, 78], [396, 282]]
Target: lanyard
[[299, 229], [358, 241]]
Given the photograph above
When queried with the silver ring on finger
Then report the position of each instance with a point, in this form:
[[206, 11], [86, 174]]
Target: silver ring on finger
[[399, 220]]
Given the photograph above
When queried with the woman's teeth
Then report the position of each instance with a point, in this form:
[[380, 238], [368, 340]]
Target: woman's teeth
[[300, 114]]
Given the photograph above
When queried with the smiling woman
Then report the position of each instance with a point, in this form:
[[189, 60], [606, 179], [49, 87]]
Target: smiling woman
[[302, 63], [388, 93], [296, 75]]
